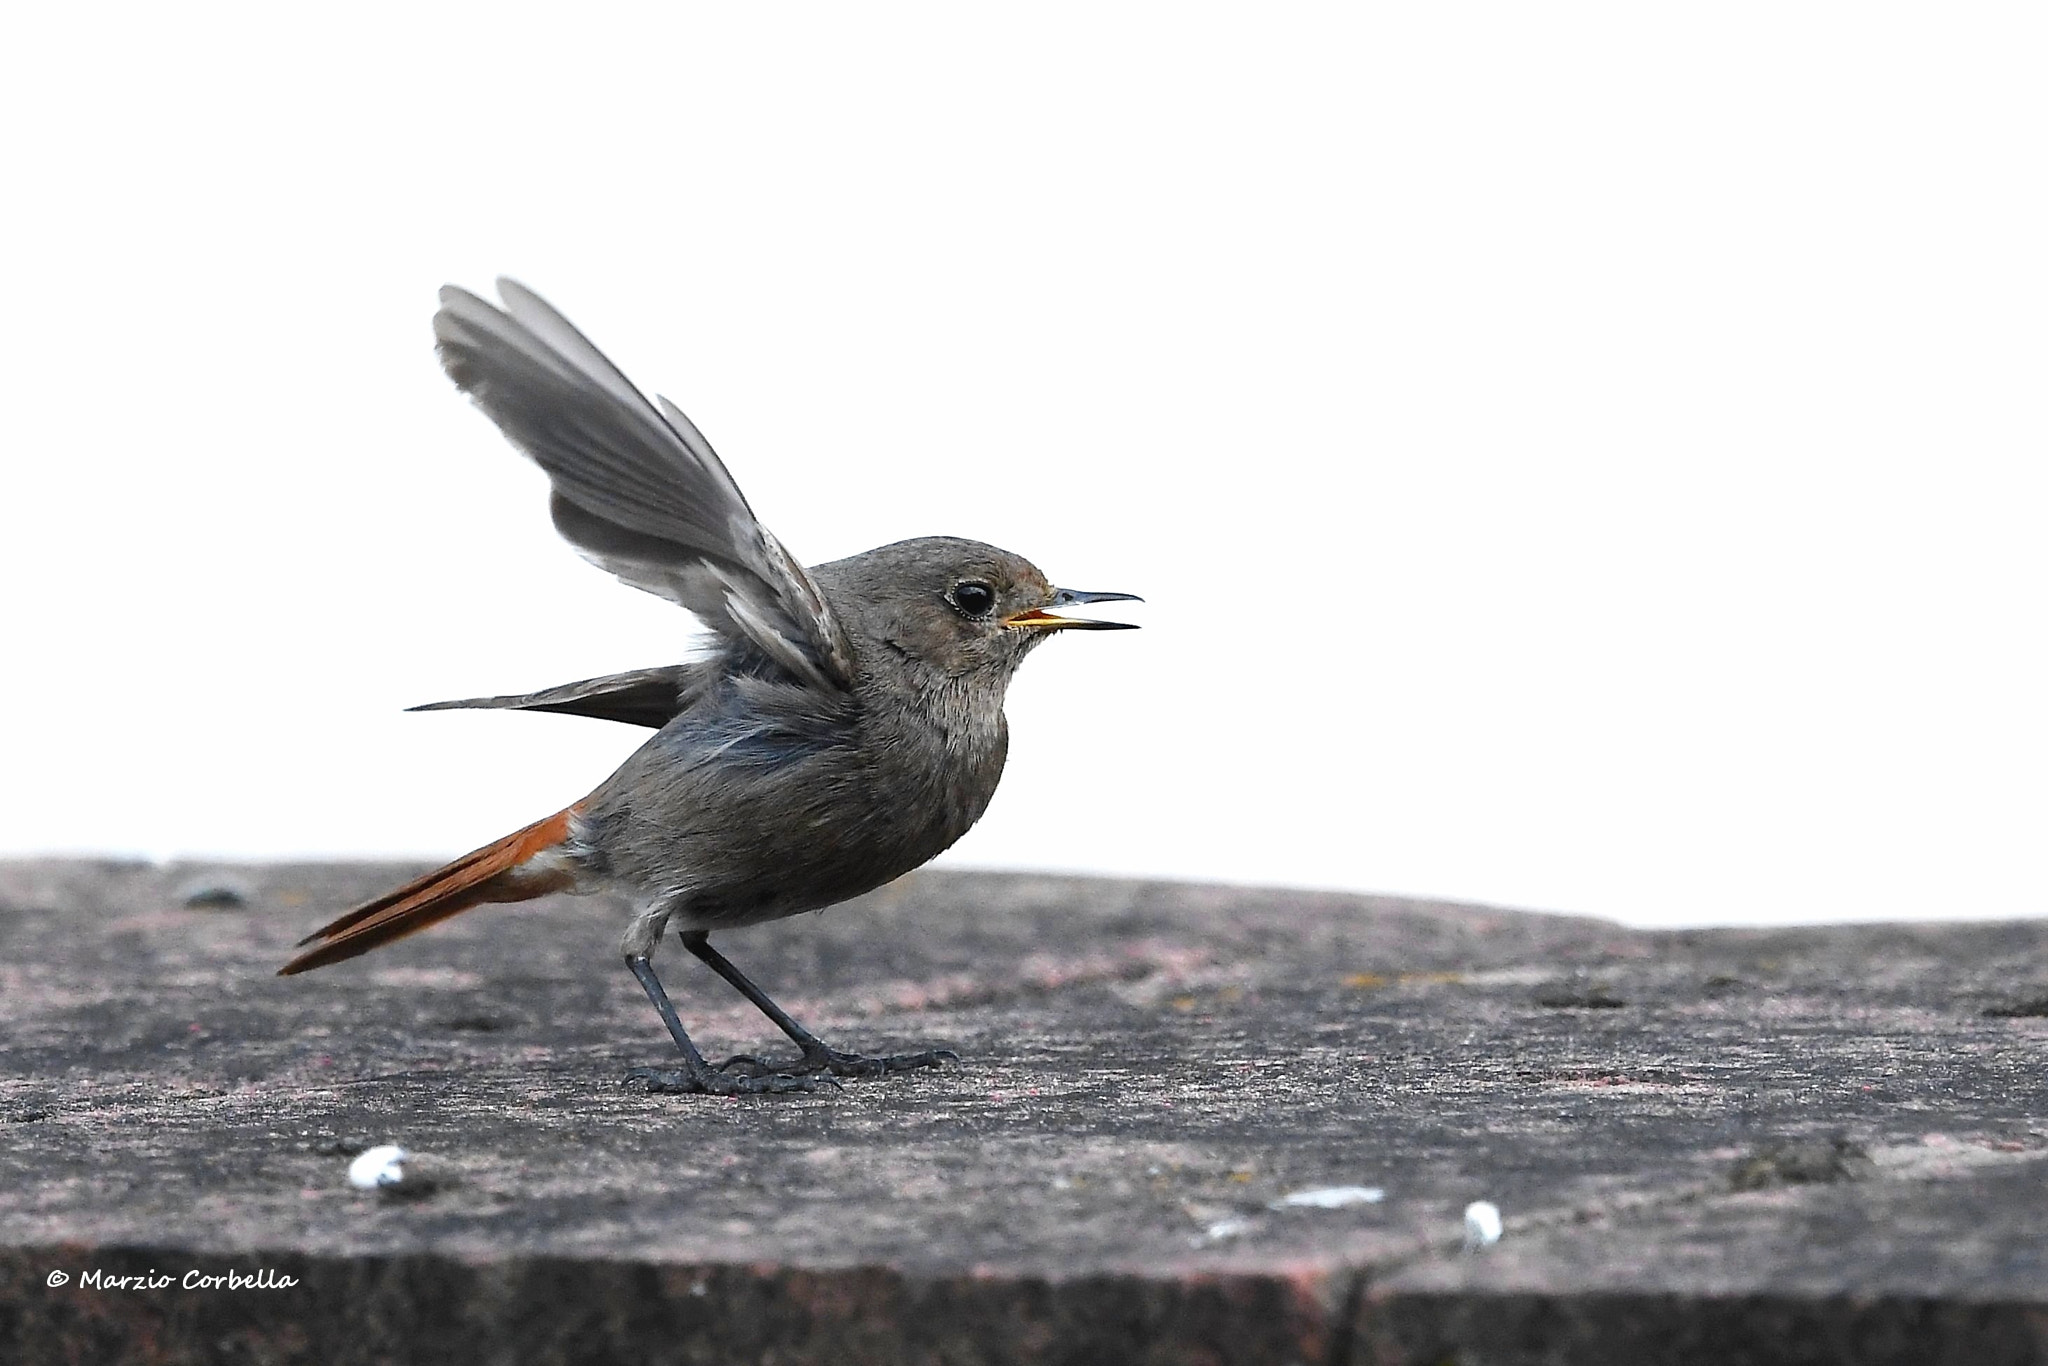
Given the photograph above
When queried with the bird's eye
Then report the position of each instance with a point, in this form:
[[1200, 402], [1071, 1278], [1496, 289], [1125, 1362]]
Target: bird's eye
[[974, 598]]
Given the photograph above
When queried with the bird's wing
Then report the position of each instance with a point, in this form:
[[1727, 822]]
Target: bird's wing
[[641, 697], [637, 488]]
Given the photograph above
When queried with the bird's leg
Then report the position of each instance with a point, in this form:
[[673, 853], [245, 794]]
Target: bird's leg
[[697, 1076], [817, 1057]]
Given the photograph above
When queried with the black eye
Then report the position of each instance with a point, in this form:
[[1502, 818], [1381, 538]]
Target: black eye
[[974, 598]]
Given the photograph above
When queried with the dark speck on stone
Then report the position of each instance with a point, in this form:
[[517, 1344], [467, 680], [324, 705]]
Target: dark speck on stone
[[1816, 1161], [214, 895], [2035, 1008], [1571, 996]]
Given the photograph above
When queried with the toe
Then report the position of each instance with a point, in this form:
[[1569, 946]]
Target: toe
[[856, 1065], [662, 1083], [747, 1063]]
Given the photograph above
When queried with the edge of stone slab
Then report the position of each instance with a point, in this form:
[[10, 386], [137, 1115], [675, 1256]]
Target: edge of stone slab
[[1652, 1328], [432, 1308]]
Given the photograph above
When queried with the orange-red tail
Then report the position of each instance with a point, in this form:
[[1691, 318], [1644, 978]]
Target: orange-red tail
[[504, 871]]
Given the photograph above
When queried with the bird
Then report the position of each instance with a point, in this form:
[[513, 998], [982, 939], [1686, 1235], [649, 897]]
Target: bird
[[844, 726]]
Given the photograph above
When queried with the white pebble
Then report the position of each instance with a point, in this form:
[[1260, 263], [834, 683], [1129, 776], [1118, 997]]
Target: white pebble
[[1482, 1225], [378, 1167], [1330, 1197], [1224, 1229]]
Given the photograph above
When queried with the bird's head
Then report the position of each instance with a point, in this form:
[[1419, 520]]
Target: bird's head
[[956, 607]]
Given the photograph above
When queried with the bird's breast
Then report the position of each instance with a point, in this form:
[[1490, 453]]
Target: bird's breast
[[745, 815]]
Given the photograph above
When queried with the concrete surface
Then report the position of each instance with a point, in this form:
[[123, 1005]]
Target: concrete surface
[[1727, 1146]]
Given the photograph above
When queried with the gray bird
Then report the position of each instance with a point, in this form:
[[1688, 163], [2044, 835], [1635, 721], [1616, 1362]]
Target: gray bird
[[846, 727]]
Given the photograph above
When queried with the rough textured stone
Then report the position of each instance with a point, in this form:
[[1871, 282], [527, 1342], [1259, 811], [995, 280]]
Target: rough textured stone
[[1736, 1146]]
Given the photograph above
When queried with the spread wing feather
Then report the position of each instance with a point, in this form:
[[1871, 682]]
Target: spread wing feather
[[640, 697], [637, 488]]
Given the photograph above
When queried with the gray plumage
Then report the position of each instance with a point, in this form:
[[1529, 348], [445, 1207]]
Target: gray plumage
[[838, 791], [845, 727], [637, 488]]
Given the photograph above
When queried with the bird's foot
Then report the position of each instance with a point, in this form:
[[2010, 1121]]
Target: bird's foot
[[831, 1061], [715, 1082]]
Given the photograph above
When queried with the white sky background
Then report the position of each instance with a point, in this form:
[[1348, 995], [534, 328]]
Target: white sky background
[[1586, 458]]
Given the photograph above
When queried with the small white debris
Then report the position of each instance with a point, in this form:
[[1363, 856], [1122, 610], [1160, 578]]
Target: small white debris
[[1330, 1197], [1225, 1229], [1482, 1225], [378, 1168]]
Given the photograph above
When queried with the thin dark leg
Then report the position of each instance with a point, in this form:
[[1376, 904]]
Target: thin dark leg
[[697, 1076], [817, 1057]]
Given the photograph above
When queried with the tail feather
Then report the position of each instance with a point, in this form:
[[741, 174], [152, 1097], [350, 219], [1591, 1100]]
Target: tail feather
[[503, 871]]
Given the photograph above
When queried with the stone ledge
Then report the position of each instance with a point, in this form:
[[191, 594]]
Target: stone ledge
[[1740, 1145]]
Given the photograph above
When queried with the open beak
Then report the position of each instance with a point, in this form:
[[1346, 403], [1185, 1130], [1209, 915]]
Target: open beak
[[1039, 619]]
